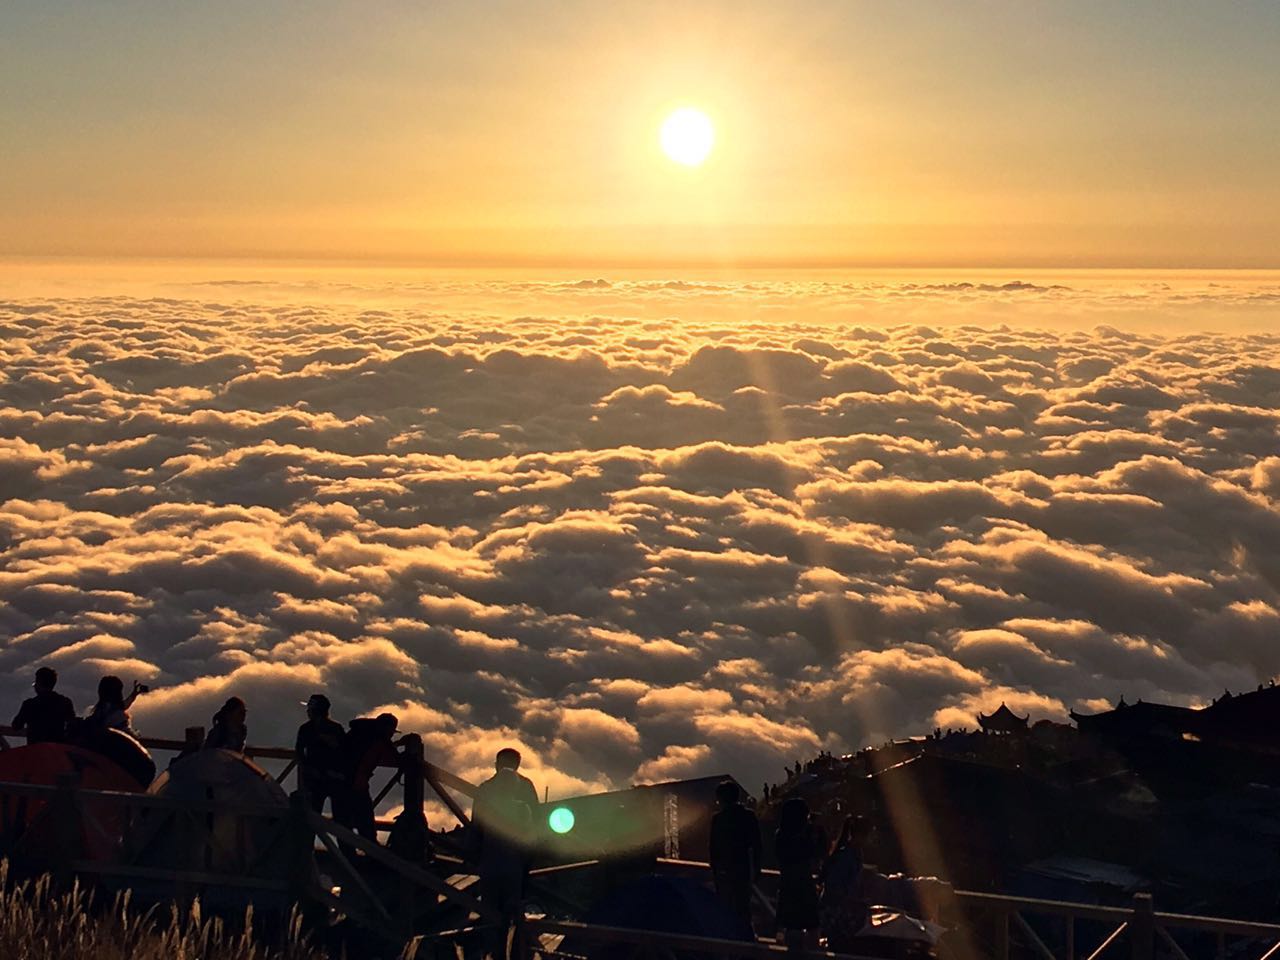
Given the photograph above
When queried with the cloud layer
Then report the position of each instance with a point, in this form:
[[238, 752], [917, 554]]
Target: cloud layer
[[641, 546]]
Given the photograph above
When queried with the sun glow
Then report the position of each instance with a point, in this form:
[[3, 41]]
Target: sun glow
[[687, 136]]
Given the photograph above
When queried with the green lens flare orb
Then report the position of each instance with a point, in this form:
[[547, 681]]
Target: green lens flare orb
[[561, 820]]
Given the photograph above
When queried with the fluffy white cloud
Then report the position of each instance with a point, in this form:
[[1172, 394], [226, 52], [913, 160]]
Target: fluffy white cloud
[[640, 529]]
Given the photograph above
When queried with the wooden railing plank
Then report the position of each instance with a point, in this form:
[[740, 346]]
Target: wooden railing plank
[[1239, 928], [167, 875], [1088, 911], [387, 858], [674, 941], [353, 874]]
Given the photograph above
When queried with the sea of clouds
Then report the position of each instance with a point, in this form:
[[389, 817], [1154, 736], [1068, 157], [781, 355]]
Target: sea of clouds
[[651, 529]]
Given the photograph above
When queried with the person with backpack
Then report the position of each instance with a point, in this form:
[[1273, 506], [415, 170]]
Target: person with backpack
[[370, 743], [502, 819]]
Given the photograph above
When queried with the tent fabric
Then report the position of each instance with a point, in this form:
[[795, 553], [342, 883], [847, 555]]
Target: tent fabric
[[221, 775], [216, 842], [121, 749], [41, 763]]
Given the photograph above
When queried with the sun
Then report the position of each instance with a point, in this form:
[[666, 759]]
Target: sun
[[687, 136]]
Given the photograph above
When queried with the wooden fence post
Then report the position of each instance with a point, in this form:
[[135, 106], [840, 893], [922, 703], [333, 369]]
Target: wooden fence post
[[65, 807], [301, 846], [1142, 927], [409, 837], [1002, 933]]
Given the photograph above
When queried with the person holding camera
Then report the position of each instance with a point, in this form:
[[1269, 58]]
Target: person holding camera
[[111, 712]]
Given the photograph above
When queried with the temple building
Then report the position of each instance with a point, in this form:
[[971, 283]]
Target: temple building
[[1003, 722]]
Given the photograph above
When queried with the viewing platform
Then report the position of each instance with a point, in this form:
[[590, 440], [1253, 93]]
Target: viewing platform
[[275, 855]]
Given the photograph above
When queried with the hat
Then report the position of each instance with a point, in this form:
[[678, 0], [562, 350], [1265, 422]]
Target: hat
[[318, 700]]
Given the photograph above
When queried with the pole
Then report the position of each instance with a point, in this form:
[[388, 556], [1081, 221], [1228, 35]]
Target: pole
[[67, 826], [1142, 927]]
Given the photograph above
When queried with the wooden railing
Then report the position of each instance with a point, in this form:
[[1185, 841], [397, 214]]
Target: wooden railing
[[278, 861], [439, 779], [998, 927], [1139, 931]]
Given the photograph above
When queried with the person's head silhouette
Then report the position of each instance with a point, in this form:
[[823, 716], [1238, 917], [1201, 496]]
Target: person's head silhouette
[[46, 680], [234, 710], [111, 690], [728, 793], [508, 758]]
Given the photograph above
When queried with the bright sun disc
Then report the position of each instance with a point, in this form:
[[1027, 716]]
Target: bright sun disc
[[687, 136]]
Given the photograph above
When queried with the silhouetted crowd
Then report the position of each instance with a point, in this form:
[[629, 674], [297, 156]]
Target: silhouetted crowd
[[335, 764], [49, 717], [817, 880]]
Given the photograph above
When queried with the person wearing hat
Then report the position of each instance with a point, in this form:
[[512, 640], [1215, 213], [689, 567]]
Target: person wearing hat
[[321, 751]]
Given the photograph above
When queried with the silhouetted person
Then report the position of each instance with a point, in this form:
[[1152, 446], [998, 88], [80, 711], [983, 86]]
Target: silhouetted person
[[843, 914], [320, 749], [111, 712], [502, 819], [800, 847], [370, 743], [735, 850], [228, 729], [45, 716]]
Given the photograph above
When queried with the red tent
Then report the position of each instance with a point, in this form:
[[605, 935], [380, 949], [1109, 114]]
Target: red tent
[[22, 824]]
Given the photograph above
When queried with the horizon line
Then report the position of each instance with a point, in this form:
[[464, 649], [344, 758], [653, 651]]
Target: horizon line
[[638, 263]]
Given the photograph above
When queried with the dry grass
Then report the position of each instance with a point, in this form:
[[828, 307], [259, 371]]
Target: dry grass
[[38, 923]]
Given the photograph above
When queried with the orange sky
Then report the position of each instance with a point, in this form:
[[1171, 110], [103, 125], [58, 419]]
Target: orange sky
[[923, 134]]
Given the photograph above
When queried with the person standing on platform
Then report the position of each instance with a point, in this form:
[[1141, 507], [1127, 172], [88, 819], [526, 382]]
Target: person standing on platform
[[319, 750], [502, 820], [111, 712], [844, 913], [229, 729], [45, 716], [370, 743], [735, 850], [800, 847]]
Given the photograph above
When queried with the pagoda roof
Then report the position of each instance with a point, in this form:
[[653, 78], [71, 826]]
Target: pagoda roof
[[1003, 719]]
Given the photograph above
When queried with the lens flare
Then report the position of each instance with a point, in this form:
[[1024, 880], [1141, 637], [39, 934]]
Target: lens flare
[[560, 820]]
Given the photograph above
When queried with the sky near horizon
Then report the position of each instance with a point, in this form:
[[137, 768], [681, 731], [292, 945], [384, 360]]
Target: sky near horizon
[[503, 134]]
